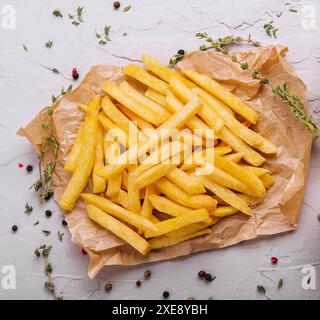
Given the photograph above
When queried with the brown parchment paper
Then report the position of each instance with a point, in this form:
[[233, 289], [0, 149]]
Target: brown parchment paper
[[277, 213]]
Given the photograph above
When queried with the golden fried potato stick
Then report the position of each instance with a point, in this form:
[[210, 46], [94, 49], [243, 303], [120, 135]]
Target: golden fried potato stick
[[177, 120], [144, 112], [73, 155], [146, 78], [99, 183], [267, 180], [225, 194], [246, 177], [156, 67], [164, 241], [83, 170], [114, 183], [247, 135], [234, 157], [117, 211], [124, 179], [142, 124], [164, 204], [250, 155], [185, 182], [257, 171], [153, 174], [206, 113], [163, 227], [219, 91], [142, 99], [133, 192], [224, 211], [147, 206], [156, 96], [119, 229], [172, 191]]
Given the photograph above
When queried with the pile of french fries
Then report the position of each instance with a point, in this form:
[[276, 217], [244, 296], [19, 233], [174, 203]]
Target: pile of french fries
[[193, 160]]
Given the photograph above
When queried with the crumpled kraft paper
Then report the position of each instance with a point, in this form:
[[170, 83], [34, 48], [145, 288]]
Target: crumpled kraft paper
[[277, 213]]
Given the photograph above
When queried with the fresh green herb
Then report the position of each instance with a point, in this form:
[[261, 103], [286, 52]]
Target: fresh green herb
[[28, 208], [25, 48], [279, 14], [44, 250], [265, 80], [255, 73], [261, 289], [222, 44], [49, 44], [234, 58], [126, 9], [280, 283], [77, 18], [46, 232], [48, 268], [60, 236], [61, 94], [57, 13], [50, 286], [104, 37], [244, 66], [297, 107], [176, 58], [210, 298], [293, 10], [270, 29]]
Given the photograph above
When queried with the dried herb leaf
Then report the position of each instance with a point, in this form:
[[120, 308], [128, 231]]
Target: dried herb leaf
[[126, 9], [280, 283], [49, 44], [261, 289], [57, 13], [28, 208], [270, 29]]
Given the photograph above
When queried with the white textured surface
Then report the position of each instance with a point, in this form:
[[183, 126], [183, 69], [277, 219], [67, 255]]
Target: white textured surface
[[159, 28]]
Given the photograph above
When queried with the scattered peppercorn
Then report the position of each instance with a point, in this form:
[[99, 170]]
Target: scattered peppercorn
[[64, 222], [84, 252], [209, 277], [181, 51], [20, 165], [75, 73], [274, 260], [29, 168], [108, 286], [14, 228], [138, 283], [165, 294], [48, 213], [319, 216], [201, 274], [116, 4], [147, 274]]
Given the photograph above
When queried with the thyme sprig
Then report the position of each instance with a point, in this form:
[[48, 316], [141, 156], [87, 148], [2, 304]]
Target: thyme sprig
[[44, 251], [297, 107], [104, 37], [222, 44], [57, 13], [270, 29], [49, 44], [27, 208], [77, 18], [176, 58]]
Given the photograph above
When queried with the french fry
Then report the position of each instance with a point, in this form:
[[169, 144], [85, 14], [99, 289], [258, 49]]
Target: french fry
[[267, 180], [114, 183], [147, 206], [133, 192], [224, 211], [141, 110], [157, 68], [124, 179], [246, 177], [119, 229], [257, 171], [163, 227], [234, 157], [175, 193], [156, 96], [163, 204], [250, 155], [145, 77], [164, 241], [83, 169], [207, 114], [73, 155], [119, 212], [99, 183], [223, 94], [225, 194], [142, 99], [185, 182], [247, 135], [153, 174], [123, 199], [142, 124], [175, 121]]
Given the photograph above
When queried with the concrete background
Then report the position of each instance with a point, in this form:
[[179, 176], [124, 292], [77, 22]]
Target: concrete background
[[159, 28]]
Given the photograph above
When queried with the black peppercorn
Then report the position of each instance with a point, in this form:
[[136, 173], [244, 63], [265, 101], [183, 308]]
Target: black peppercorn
[[181, 51], [201, 274], [14, 228], [64, 222], [209, 277], [147, 274], [116, 4], [108, 286], [29, 168], [138, 283], [166, 294], [48, 213]]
